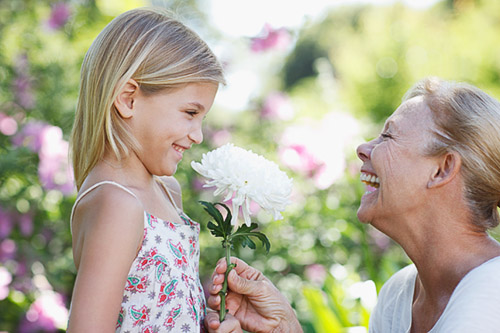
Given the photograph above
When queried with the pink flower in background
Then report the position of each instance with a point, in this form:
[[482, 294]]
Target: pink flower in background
[[271, 39], [5, 280], [30, 136], [25, 222], [221, 137], [316, 149], [8, 125], [24, 92], [48, 313], [7, 250], [316, 273], [298, 158], [277, 105], [59, 15], [22, 84], [21, 268], [54, 170], [6, 224]]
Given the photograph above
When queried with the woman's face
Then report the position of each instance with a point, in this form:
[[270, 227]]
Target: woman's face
[[395, 168], [167, 123]]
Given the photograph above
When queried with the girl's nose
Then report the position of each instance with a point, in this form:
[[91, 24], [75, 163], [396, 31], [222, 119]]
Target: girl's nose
[[196, 134]]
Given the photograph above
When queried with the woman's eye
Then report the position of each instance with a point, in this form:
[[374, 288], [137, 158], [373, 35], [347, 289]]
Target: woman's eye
[[385, 136], [192, 113]]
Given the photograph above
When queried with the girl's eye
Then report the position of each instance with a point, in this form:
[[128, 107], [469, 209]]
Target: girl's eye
[[192, 113]]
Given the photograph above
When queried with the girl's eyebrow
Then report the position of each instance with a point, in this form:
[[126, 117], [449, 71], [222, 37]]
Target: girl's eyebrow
[[196, 105]]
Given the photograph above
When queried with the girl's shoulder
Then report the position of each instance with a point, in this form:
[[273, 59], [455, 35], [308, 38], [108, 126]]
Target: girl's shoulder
[[104, 216], [107, 202]]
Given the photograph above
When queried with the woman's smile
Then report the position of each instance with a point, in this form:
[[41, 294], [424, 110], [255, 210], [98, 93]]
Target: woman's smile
[[371, 181]]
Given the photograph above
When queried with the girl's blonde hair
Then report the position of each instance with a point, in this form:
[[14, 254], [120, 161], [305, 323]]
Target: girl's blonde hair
[[148, 45], [467, 122]]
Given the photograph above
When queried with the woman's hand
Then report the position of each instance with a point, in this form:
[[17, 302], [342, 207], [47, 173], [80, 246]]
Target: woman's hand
[[252, 299], [229, 325]]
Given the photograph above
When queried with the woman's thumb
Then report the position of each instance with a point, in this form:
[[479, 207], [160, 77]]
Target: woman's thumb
[[241, 285]]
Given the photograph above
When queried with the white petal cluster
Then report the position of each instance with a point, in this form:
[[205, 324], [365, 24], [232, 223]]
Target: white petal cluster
[[242, 176]]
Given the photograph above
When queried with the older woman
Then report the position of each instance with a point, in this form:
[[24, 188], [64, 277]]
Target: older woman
[[433, 185]]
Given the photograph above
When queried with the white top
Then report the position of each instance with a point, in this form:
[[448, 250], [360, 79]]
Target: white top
[[474, 305]]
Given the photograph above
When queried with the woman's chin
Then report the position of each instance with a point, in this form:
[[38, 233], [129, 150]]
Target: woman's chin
[[362, 216], [365, 209]]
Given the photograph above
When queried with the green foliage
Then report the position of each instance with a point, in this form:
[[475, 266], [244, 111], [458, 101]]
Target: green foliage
[[333, 310], [358, 59], [243, 233], [223, 229], [241, 236]]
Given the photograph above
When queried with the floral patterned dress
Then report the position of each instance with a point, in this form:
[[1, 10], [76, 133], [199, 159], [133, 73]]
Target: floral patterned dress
[[163, 292]]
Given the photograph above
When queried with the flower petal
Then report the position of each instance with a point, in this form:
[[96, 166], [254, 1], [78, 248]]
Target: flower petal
[[243, 176]]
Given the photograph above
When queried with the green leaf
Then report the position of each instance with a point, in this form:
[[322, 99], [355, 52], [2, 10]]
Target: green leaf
[[212, 211], [215, 230], [243, 234], [227, 222], [221, 227]]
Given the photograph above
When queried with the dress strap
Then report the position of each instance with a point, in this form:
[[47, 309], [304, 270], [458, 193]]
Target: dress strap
[[90, 189], [179, 211]]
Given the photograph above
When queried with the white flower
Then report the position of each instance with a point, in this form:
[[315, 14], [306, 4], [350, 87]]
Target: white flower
[[243, 176]]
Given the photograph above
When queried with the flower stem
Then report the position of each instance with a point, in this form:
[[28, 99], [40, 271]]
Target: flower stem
[[223, 292]]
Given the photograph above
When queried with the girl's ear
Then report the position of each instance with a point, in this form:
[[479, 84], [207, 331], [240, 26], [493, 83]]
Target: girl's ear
[[448, 167], [125, 100]]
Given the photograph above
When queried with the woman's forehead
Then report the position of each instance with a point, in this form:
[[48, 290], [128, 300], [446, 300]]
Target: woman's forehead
[[412, 113]]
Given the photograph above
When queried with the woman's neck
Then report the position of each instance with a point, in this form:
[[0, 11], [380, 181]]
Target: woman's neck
[[445, 257], [442, 263]]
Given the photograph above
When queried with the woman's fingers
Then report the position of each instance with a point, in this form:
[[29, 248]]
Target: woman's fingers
[[241, 266], [212, 320], [229, 325], [214, 302]]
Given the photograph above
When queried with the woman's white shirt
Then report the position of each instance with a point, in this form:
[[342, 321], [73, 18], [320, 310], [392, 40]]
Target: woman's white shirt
[[474, 305]]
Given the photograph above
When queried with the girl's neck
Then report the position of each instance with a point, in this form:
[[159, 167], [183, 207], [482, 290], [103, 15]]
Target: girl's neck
[[127, 171]]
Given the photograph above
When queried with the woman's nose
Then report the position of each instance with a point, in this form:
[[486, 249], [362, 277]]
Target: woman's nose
[[364, 151]]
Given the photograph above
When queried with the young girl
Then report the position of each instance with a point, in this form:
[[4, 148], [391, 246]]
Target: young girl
[[147, 82]]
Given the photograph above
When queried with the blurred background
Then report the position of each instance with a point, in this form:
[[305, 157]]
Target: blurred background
[[307, 82]]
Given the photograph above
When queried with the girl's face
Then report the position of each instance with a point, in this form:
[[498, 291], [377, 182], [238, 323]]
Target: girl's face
[[167, 123], [395, 167]]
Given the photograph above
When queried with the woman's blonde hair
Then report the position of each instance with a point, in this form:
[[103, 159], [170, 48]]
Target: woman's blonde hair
[[148, 45], [467, 122]]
